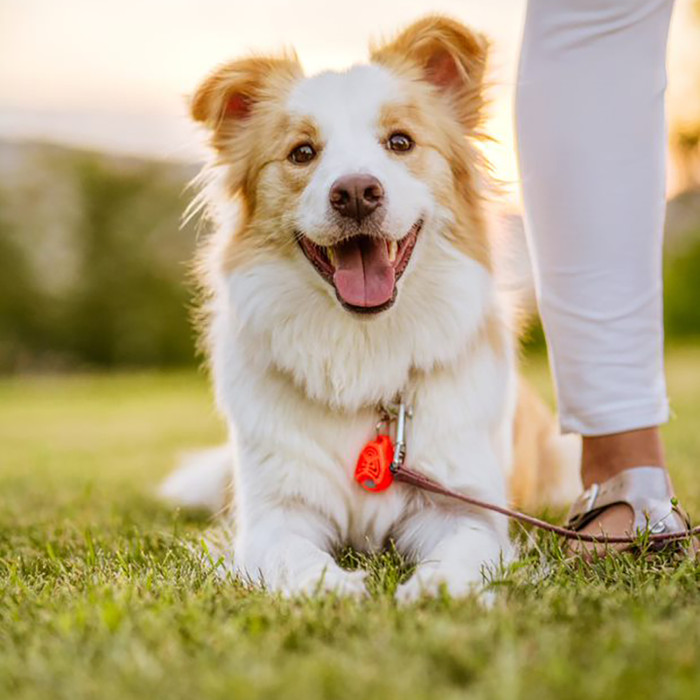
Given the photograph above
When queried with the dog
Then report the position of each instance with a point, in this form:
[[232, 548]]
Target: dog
[[352, 266]]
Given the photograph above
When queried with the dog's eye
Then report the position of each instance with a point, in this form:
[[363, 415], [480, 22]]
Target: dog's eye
[[400, 142], [303, 153]]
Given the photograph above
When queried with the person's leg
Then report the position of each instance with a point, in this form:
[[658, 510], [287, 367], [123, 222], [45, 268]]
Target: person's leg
[[591, 138]]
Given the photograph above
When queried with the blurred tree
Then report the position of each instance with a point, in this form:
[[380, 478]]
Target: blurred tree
[[20, 334], [685, 136], [128, 305], [681, 289], [93, 262], [685, 146]]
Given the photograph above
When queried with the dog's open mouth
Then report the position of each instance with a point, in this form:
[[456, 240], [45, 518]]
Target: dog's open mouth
[[363, 269]]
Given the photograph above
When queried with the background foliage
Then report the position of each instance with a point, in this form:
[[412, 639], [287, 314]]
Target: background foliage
[[94, 263]]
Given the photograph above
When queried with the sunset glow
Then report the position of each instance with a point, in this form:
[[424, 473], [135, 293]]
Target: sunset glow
[[115, 75]]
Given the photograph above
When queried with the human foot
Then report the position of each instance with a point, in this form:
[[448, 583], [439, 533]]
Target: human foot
[[634, 500], [604, 457]]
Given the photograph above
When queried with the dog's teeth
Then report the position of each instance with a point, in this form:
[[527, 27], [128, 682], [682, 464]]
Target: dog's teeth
[[392, 248], [330, 253]]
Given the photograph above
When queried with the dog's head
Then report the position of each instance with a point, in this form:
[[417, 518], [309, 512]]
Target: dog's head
[[348, 172]]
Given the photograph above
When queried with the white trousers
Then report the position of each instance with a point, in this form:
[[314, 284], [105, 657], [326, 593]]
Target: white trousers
[[592, 148]]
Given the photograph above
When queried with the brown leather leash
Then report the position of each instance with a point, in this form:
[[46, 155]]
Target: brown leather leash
[[408, 476], [382, 461]]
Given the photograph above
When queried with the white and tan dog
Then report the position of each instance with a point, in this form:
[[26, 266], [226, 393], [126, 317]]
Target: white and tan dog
[[351, 265]]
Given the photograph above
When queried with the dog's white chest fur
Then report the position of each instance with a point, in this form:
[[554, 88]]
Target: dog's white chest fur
[[301, 380]]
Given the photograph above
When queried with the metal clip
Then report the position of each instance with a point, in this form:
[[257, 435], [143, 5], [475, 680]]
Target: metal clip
[[400, 442]]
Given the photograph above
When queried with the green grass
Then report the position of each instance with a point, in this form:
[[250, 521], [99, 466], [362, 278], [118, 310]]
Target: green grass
[[101, 595]]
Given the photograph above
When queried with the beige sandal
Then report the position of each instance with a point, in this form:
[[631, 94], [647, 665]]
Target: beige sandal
[[648, 493]]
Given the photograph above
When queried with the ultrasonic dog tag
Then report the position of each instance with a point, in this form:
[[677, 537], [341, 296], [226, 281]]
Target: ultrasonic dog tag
[[373, 470]]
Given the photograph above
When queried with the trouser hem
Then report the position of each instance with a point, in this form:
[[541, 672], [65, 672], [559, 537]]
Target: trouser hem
[[616, 420]]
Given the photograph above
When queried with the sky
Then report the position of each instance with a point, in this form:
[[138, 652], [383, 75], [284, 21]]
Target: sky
[[115, 74]]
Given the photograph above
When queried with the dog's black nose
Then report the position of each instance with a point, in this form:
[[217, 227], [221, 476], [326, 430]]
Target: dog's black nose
[[356, 196]]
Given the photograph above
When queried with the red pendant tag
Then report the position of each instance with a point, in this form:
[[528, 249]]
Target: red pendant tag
[[373, 471]]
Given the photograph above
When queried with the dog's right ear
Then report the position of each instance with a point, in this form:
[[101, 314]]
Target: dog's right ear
[[228, 98]]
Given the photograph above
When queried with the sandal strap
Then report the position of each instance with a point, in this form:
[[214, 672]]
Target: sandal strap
[[646, 490]]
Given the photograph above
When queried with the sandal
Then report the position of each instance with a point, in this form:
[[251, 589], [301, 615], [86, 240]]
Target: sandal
[[648, 493]]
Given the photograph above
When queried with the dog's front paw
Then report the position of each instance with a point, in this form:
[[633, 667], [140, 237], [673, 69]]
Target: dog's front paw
[[329, 580], [431, 580]]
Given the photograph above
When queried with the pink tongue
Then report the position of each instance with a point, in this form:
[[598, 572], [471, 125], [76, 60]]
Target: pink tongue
[[364, 276]]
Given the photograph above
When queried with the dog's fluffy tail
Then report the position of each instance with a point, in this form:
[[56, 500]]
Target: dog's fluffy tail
[[202, 480], [513, 267], [546, 464]]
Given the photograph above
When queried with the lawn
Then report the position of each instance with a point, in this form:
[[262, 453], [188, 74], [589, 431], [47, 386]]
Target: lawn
[[103, 593]]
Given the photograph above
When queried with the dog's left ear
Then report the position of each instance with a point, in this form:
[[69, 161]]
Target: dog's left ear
[[228, 98], [450, 57]]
